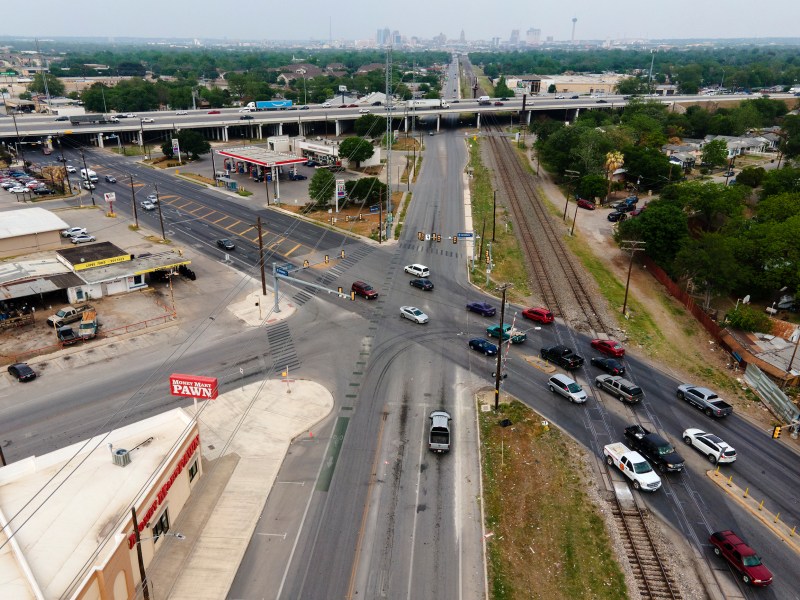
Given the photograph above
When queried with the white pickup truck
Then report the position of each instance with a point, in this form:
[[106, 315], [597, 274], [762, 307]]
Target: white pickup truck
[[633, 466]]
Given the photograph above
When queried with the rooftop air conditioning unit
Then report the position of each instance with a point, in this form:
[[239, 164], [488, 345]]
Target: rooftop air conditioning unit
[[121, 457]]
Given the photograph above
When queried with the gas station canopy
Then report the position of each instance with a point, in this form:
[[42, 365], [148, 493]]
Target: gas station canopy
[[261, 156]]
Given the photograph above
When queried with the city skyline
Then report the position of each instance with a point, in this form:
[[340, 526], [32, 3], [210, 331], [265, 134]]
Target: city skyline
[[627, 19]]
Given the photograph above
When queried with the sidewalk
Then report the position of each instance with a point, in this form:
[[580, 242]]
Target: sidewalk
[[245, 435]]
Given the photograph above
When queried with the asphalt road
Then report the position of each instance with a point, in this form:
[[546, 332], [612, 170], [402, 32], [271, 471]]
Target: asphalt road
[[370, 510]]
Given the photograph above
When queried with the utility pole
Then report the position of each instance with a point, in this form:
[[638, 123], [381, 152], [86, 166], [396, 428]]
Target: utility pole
[[633, 246], [133, 203], [89, 183], [498, 373], [261, 258], [142, 574], [573, 176], [388, 141], [494, 212], [160, 216]]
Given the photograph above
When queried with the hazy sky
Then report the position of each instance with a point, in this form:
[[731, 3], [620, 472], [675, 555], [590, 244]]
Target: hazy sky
[[359, 19]]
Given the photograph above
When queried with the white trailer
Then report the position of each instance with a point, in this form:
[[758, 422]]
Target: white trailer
[[427, 104]]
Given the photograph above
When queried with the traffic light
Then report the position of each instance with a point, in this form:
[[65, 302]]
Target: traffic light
[[455, 239], [339, 289], [305, 264], [487, 257], [776, 432], [327, 259], [439, 237], [420, 236], [341, 254]]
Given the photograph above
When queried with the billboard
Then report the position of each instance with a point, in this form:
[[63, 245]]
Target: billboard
[[193, 386], [340, 189]]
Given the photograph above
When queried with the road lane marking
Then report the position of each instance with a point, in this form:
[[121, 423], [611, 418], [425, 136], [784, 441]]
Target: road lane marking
[[289, 253]]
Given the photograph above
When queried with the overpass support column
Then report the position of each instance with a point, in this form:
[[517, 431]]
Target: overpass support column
[[479, 121], [100, 140], [260, 132], [300, 129], [405, 123], [528, 117], [438, 122], [225, 133], [337, 129]]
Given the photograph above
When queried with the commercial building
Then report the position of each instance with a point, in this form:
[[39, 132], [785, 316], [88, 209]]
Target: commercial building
[[67, 524]]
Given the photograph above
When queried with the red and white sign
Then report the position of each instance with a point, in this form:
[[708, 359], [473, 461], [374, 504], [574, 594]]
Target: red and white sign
[[193, 386]]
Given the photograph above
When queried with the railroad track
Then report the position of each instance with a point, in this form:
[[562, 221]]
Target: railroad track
[[651, 576], [557, 278]]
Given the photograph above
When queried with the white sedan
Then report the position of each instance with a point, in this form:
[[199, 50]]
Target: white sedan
[[412, 313], [710, 445], [71, 169], [148, 120], [73, 231], [182, 112]]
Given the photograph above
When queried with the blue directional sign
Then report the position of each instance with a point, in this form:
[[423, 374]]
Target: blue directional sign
[[374, 209], [281, 271], [461, 234]]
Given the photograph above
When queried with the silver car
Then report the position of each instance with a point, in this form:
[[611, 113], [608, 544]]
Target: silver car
[[412, 313], [561, 384]]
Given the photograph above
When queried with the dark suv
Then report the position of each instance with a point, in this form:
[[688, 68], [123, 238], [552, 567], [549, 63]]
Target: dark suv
[[654, 448], [361, 288]]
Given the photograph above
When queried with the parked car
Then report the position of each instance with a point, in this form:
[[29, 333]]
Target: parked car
[[412, 313], [73, 231], [637, 211], [482, 308], [484, 346], [617, 216], [418, 270], [22, 372], [111, 179], [563, 385], [708, 444], [226, 244], [540, 314], [609, 365], [83, 239], [423, 284], [584, 203], [609, 347], [311, 163], [365, 290], [297, 177], [71, 169], [741, 557]]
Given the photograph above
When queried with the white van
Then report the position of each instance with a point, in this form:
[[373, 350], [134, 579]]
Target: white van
[[484, 100], [88, 174], [561, 384]]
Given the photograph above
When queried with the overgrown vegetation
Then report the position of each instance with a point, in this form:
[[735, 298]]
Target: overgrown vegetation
[[545, 539]]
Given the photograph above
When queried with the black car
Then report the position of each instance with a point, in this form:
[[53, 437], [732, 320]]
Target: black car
[[423, 284], [111, 179], [245, 118], [311, 163], [22, 372], [617, 216], [602, 102], [297, 177], [226, 244], [378, 103], [609, 365], [482, 308], [42, 191], [62, 118], [484, 346]]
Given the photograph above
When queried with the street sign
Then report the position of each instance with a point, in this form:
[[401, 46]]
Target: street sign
[[281, 271], [462, 234], [374, 209], [110, 196], [340, 191]]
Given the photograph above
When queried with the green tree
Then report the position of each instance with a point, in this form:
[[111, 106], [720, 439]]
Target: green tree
[[592, 186], [632, 86], [321, 187], [356, 149], [747, 318], [370, 125], [54, 85], [166, 148], [502, 90], [650, 166], [778, 181], [664, 229], [712, 262], [192, 143], [778, 207], [715, 153], [751, 176], [367, 189], [790, 143]]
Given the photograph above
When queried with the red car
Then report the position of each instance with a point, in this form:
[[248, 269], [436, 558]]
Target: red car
[[498, 103], [584, 203], [538, 314], [213, 112], [609, 347], [741, 557]]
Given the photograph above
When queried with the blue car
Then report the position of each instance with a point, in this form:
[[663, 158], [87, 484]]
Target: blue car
[[482, 308], [484, 346]]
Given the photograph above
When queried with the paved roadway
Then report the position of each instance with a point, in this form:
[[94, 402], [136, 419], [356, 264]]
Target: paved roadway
[[386, 518]]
